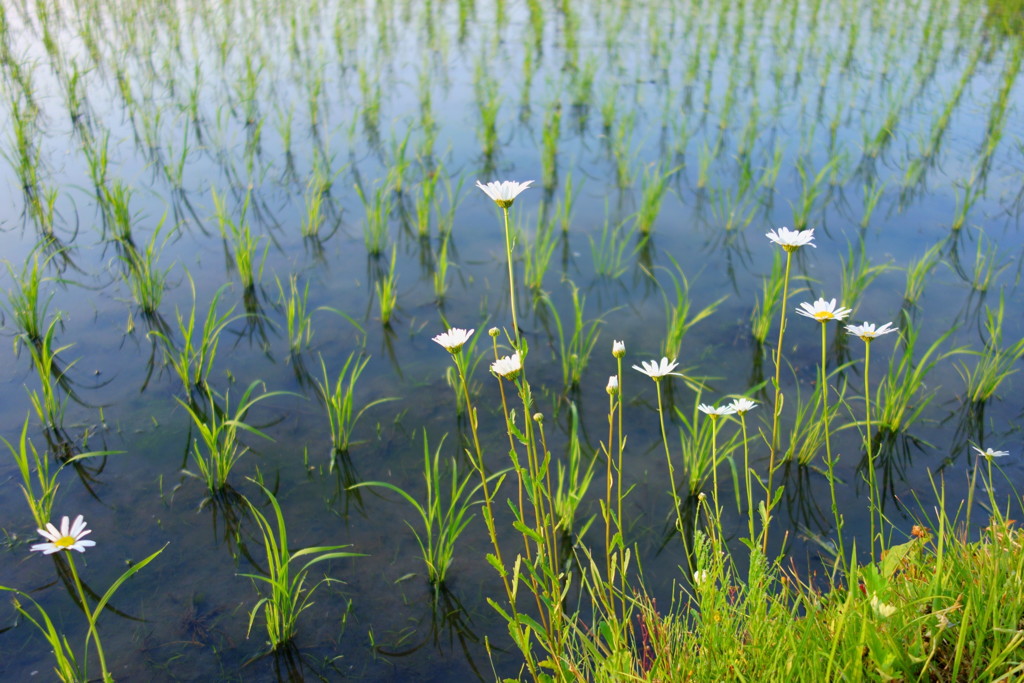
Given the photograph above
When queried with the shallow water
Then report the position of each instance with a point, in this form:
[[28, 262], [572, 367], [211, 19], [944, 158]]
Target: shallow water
[[257, 99]]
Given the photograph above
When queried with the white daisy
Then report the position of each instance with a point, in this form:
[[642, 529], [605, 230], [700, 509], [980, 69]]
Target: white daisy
[[503, 193], [507, 367], [867, 331], [68, 537], [454, 338], [791, 240], [656, 370], [823, 311], [618, 348], [989, 453], [715, 413], [743, 405]]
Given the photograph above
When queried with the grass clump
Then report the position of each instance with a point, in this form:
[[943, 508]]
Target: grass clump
[[289, 597], [924, 611]]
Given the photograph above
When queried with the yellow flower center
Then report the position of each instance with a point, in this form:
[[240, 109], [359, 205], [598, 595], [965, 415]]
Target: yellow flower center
[[822, 316], [65, 541]]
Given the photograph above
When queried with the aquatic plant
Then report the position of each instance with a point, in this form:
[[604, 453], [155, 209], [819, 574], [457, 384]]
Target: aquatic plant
[[71, 536], [25, 304], [386, 287], [610, 251], [995, 361], [298, 322], [217, 449], [289, 597], [247, 261], [339, 400], [538, 253], [193, 354], [445, 511], [678, 317], [574, 350]]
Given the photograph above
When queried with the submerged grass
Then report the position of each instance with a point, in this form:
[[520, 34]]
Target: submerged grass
[[289, 596], [444, 512], [339, 400], [941, 604], [217, 449]]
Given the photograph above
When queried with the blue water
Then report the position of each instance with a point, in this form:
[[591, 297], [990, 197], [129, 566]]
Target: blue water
[[708, 92]]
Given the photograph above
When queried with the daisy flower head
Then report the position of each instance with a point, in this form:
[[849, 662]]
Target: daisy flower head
[[656, 370], [715, 413], [503, 193], [791, 240], [508, 366], [867, 331], [823, 311], [989, 453], [618, 348], [454, 338], [742, 405], [613, 385], [882, 609], [68, 537]]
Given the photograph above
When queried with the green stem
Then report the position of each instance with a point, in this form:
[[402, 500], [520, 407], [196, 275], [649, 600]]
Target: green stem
[[608, 491], [488, 497], [970, 493], [622, 446], [777, 406], [824, 392], [511, 280], [746, 470], [91, 617], [668, 458], [618, 492], [714, 469], [873, 485]]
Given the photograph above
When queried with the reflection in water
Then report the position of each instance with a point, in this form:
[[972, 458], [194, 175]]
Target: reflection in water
[[291, 663], [756, 380], [68, 451], [284, 121], [685, 522], [256, 321], [970, 425], [800, 501], [345, 493], [894, 451], [229, 516], [303, 377], [451, 631], [66, 577]]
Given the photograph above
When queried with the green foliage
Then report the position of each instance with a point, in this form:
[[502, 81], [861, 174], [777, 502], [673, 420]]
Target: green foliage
[[339, 400], [217, 448], [902, 393], [25, 303], [298, 323], [678, 309], [289, 597], [768, 302], [574, 350], [193, 360], [996, 360], [247, 259], [445, 513]]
